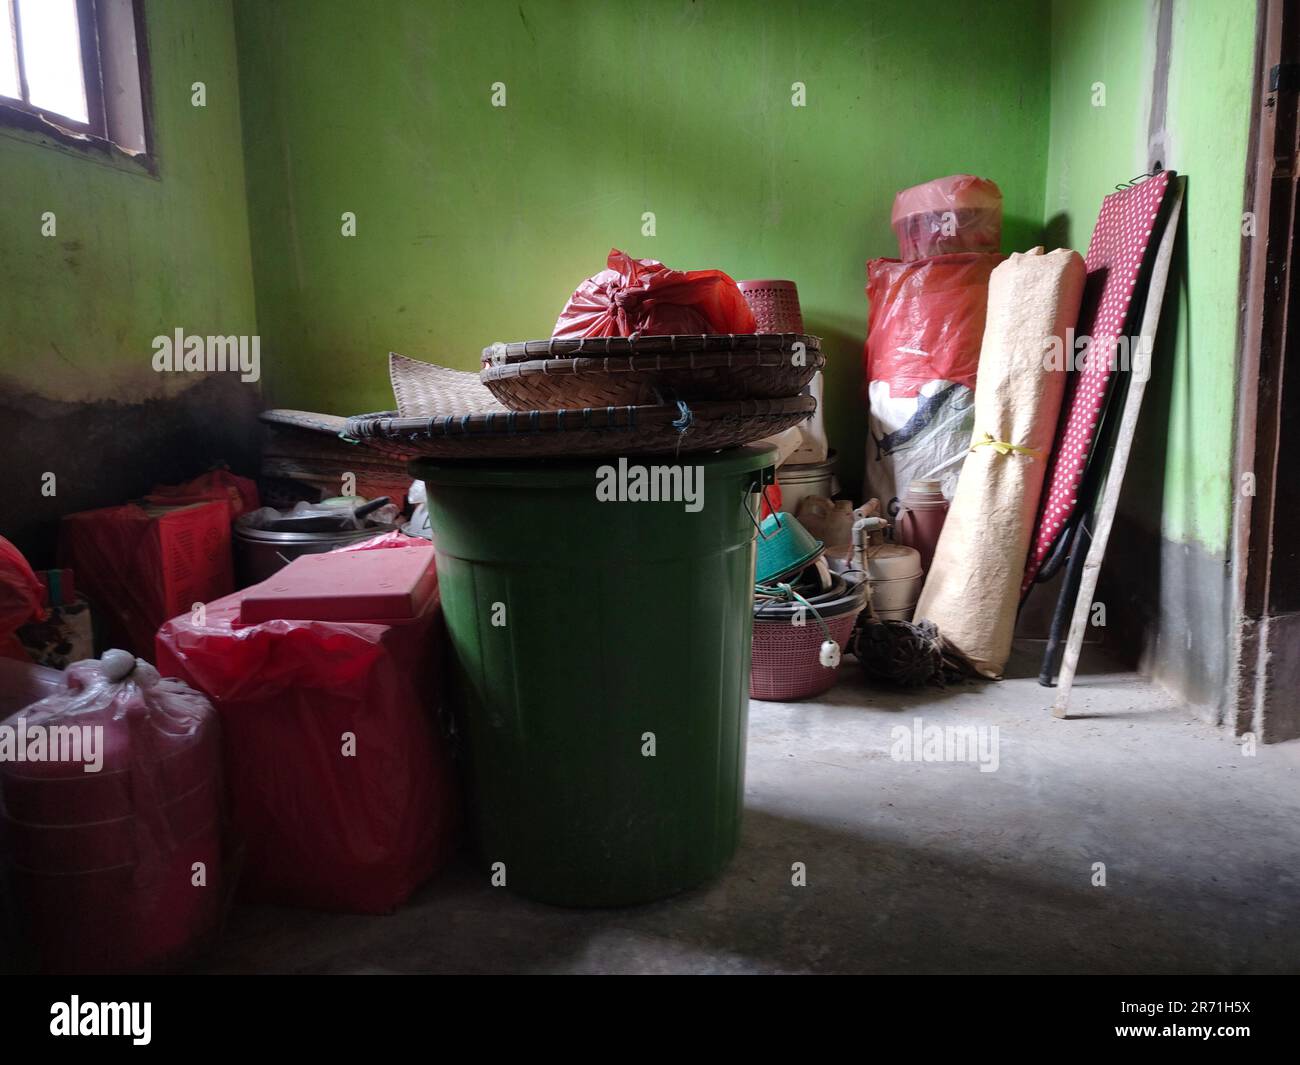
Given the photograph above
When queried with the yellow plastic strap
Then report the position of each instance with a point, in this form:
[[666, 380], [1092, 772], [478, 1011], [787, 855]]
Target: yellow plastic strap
[[1002, 447]]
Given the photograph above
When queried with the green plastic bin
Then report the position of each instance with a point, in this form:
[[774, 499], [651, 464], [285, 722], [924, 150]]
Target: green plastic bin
[[600, 669]]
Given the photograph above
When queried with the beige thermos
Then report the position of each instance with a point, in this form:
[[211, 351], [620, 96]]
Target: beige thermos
[[922, 511]]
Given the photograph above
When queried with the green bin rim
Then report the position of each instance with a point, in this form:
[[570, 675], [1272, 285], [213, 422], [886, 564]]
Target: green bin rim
[[555, 473]]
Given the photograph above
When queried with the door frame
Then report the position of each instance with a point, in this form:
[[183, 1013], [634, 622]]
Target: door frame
[[1264, 695]]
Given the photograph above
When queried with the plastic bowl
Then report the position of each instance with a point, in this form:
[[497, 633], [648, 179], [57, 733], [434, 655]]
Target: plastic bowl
[[844, 597], [784, 547]]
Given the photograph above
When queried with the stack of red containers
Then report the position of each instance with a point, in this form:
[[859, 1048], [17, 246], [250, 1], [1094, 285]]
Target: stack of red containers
[[326, 678], [112, 816]]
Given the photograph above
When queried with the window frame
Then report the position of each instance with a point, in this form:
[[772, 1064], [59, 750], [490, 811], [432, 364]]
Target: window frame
[[93, 134]]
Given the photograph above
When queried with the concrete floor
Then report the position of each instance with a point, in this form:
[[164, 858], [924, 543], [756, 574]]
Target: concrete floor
[[911, 866]]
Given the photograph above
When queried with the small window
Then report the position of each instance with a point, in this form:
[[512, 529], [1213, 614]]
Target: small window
[[75, 65]]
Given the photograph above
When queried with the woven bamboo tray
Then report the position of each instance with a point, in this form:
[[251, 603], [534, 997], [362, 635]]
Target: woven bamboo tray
[[425, 389], [621, 430], [643, 370]]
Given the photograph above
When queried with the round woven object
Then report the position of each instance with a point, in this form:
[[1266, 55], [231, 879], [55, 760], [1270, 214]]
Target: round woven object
[[775, 305], [610, 430], [639, 344], [648, 370]]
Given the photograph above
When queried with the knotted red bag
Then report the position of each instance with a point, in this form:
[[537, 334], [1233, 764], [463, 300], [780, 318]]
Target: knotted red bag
[[645, 296]]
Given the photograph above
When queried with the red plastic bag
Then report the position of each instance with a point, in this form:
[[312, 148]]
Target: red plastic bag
[[239, 492], [926, 321], [21, 594], [644, 296], [115, 831], [340, 780], [961, 213]]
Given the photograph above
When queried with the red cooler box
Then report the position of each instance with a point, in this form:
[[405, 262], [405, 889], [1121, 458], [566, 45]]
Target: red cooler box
[[338, 774]]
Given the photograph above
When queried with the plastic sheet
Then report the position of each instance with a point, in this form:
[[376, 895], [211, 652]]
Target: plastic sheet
[[395, 538], [950, 214], [20, 599], [271, 518], [645, 296], [419, 523], [339, 777], [926, 320], [923, 346], [119, 868]]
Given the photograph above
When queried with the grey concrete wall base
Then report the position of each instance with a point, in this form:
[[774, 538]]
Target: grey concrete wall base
[[1169, 608], [110, 452]]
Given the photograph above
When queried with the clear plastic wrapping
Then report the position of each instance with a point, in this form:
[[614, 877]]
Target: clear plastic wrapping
[[950, 214]]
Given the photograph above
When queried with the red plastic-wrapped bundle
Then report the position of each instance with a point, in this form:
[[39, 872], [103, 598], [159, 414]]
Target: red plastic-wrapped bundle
[[961, 213], [111, 796], [924, 332], [644, 296], [140, 566], [21, 594], [239, 492], [926, 320], [340, 780]]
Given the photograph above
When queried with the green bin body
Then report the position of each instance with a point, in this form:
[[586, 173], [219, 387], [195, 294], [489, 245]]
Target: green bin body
[[621, 619]]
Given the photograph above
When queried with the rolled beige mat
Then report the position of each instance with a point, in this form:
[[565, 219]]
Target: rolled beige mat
[[973, 587]]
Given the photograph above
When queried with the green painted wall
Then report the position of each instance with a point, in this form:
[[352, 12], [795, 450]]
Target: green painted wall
[[1182, 488], [1167, 574], [474, 223], [1091, 148], [1210, 92], [134, 255]]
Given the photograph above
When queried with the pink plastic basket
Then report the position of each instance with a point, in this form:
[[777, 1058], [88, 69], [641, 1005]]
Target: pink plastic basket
[[775, 305], [784, 662]]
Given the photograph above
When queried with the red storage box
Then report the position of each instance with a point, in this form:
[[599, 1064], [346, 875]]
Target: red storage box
[[346, 586], [140, 566], [339, 777]]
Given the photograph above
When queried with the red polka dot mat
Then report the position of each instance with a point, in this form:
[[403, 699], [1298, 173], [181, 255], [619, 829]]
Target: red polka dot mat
[[1115, 257]]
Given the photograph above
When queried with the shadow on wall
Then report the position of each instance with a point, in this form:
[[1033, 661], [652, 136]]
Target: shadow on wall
[[845, 407], [1021, 234], [107, 452], [1056, 233]]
